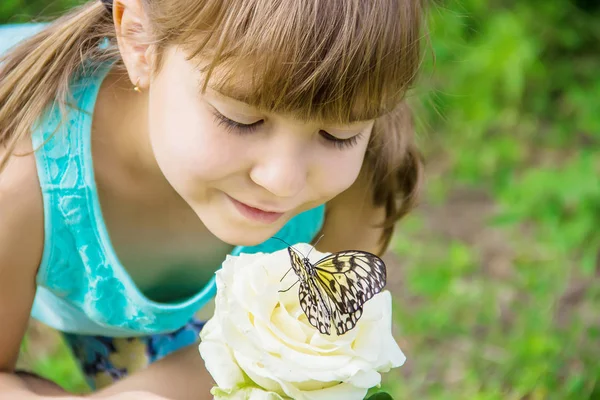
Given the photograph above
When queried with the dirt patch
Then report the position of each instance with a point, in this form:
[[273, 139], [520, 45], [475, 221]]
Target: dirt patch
[[464, 217]]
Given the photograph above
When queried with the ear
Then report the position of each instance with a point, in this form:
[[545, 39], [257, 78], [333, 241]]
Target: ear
[[132, 27]]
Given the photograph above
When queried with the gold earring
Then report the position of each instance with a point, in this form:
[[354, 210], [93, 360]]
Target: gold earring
[[137, 87]]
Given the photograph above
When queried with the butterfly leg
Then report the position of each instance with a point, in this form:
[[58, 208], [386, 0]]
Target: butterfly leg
[[282, 291], [283, 277]]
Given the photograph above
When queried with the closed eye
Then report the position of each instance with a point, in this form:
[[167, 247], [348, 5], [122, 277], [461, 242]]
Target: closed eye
[[340, 143], [240, 128], [234, 126]]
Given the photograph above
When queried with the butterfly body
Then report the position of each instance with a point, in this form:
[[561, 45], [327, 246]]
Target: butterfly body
[[310, 270], [336, 287]]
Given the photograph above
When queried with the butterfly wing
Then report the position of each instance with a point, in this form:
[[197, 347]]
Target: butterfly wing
[[312, 299], [313, 305], [343, 282], [350, 278], [342, 321], [297, 265]]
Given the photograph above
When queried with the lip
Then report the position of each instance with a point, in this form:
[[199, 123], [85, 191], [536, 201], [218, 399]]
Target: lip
[[256, 214]]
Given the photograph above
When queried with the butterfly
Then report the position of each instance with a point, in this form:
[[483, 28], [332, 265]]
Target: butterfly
[[336, 287]]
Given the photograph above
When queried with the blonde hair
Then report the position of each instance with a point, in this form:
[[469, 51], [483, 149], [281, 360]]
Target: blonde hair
[[336, 61]]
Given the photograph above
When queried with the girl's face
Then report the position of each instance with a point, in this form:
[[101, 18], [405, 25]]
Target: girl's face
[[243, 171]]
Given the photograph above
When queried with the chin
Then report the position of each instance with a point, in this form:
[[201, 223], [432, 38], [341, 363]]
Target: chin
[[236, 230], [240, 235], [244, 237]]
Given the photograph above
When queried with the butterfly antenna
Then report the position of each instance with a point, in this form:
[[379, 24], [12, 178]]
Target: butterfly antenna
[[318, 240], [281, 240], [289, 245]]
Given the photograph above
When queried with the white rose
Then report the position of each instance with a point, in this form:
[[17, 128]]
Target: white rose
[[261, 337], [244, 393]]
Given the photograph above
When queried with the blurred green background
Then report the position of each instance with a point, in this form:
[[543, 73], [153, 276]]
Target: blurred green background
[[495, 275]]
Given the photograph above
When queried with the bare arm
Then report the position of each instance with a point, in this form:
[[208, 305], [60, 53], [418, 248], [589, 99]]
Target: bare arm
[[21, 245], [179, 376]]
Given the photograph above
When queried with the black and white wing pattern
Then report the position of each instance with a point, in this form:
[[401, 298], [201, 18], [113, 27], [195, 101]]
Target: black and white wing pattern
[[335, 288]]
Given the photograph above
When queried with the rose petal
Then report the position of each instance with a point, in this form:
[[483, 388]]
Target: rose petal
[[340, 391], [288, 328], [219, 362], [246, 393], [365, 379]]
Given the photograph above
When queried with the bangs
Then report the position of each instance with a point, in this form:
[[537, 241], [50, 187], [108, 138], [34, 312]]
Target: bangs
[[332, 60]]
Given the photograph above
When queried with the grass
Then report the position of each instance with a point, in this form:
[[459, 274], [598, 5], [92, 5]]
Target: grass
[[488, 310], [498, 268], [495, 275]]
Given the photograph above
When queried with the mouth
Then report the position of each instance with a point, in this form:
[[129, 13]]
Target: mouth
[[256, 214]]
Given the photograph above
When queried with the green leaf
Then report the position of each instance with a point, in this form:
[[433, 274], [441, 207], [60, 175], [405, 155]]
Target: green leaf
[[381, 396]]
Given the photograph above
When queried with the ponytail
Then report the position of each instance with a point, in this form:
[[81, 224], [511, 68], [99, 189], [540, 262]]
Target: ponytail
[[38, 70]]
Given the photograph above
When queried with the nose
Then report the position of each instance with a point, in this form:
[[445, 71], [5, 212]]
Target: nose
[[283, 171]]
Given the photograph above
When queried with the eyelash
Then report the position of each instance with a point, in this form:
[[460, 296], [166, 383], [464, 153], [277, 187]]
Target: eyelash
[[235, 127], [238, 128], [341, 143]]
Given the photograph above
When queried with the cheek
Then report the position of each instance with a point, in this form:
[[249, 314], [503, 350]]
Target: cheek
[[186, 140], [338, 170]]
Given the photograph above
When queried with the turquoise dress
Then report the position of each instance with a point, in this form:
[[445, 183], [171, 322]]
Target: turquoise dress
[[82, 288]]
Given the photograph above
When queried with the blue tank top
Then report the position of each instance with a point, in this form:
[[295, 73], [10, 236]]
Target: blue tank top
[[81, 285]]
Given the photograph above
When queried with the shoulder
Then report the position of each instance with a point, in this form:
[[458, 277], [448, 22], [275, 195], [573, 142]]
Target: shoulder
[[352, 221]]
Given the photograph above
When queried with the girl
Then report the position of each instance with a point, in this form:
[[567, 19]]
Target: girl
[[141, 141]]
